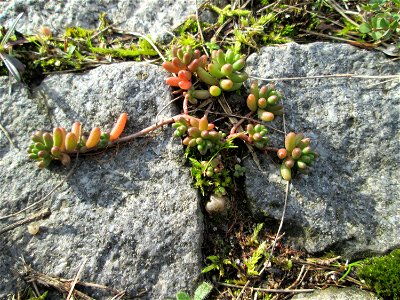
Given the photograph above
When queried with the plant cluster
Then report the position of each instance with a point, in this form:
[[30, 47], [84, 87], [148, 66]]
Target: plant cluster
[[201, 292], [197, 77], [297, 155], [60, 144], [381, 20], [222, 73], [264, 100], [200, 134]]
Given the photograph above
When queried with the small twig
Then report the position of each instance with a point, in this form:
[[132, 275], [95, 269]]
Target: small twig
[[341, 12], [297, 281], [266, 290], [36, 217], [45, 197], [76, 279], [328, 76], [200, 30], [235, 126]]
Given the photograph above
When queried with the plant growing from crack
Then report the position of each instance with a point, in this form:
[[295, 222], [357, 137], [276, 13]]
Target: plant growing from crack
[[196, 77]]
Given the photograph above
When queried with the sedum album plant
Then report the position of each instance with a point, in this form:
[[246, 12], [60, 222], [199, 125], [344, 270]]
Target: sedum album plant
[[197, 78]]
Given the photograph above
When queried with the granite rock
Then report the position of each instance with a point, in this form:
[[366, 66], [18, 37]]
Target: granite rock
[[152, 17], [334, 293], [131, 211], [349, 202]]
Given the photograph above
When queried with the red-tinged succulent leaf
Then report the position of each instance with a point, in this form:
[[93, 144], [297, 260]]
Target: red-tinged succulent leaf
[[170, 67], [173, 81], [203, 124], [252, 102], [290, 141], [227, 69], [94, 137], [177, 63], [58, 137], [196, 53], [262, 103], [71, 141], [185, 84], [194, 132], [77, 130], [282, 153], [203, 60], [257, 136], [210, 126], [265, 116], [296, 153], [194, 122], [56, 151], [186, 58], [174, 51], [286, 172], [118, 127], [48, 140], [263, 92], [192, 67], [65, 159], [226, 84], [184, 75], [204, 134], [254, 89], [186, 140]]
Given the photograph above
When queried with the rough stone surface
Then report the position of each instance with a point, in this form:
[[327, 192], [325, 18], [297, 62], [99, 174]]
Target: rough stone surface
[[152, 17], [349, 202], [333, 293], [131, 211]]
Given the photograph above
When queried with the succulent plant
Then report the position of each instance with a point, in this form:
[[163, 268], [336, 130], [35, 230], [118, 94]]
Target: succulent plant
[[224, 71], [184, 62], [214, 166], [199, 133], [258, 135], [58, 145], [193, 95], [264, 101], [297, 154]]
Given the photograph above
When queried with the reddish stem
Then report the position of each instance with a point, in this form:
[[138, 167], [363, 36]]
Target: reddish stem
[[236, 126], [185, 106]]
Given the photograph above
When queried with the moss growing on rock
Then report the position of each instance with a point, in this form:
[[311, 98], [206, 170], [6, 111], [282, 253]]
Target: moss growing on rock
[[382, 274]]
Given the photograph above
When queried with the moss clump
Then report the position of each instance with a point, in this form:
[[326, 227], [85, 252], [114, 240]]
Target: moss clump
[[382, 274]]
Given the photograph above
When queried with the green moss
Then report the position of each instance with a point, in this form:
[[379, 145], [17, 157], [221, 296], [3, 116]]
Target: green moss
[[382, 274], [123, 53]]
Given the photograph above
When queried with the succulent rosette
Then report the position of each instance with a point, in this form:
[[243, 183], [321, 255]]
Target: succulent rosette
[[297, 155], [265, 101]]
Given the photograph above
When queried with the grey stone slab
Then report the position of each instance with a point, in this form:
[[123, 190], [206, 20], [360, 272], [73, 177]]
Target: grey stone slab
[[350, 201], [334, 293], [152, 17], [130, 211]]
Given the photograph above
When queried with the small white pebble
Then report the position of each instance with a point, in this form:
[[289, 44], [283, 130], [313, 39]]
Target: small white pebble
[[33, 228]]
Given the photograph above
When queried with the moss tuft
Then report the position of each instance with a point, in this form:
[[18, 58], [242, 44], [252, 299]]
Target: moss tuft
[[382, 274]]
